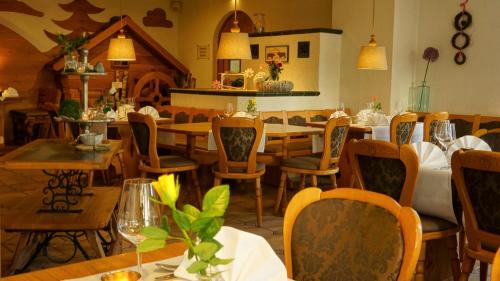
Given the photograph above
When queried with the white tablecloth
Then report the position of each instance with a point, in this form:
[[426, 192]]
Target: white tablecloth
[[384, 133]]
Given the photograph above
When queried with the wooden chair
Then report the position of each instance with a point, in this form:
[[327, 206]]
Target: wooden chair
[[319, 115], [144, 131], [166, 111], [430, 123], [477, 179], [492, 137], [334, 138], [465, 124], [325, 236], [297, 118], [402, 127], [237, 140], [495, 270], [182, 115], [489, 122], [273, 117], [392, 170], [199, 115]]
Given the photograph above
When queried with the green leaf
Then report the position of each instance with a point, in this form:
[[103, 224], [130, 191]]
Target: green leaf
[[190, 254], [154, 232], [151, 244], [192, 212], [207, 227], [216, 200], [181, 219], [206, 250], [197, 266], [217, 261], [164, 224]]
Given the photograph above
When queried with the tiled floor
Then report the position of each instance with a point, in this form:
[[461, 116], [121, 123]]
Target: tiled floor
[[240, 215]]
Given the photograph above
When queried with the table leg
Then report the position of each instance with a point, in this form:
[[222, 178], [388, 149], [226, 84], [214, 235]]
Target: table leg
[[190, 144], [284, 147]]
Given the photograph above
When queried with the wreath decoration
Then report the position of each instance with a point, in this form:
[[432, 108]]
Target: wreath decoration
[[460, 39]]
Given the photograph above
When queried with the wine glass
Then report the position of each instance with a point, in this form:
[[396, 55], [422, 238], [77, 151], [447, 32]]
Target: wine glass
[[228, 109], [341, 107], [137, 211], [444, 133]]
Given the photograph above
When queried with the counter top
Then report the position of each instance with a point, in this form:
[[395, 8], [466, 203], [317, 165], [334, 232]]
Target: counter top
[[241, 93]]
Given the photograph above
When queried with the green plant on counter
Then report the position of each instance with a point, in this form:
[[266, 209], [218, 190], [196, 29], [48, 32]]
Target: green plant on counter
[[69, 45], [198, 227], [252, 106], [70, 108]]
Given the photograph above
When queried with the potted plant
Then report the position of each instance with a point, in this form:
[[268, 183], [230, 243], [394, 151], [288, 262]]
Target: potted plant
[[198, 227], [420, 95], [68, 48]]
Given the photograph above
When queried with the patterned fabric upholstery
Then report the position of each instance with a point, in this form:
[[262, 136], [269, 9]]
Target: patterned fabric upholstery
[[432, 129], [319, 118], [338, 134], [462, 127], [200, 117], [181, 118], [383, 175], [297, 121], [237, 142], [490, 125], [273, 120], [403, 132], [355, 241], [483, 188], [165, 114], [141, 137], [493, 140]]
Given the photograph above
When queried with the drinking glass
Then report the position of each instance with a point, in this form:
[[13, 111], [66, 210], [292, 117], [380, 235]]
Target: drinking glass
[[444, 133], [137, 211], [341, 107], [228, 109]]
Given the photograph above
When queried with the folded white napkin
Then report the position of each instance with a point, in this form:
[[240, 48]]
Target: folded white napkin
[[123, 110], [377, 119], [254, 259], [111, 114], [149, 110], [468, 142], [9, 93], [430, 154], [338, 114], [213, 146], [362, 115], [244, 114]]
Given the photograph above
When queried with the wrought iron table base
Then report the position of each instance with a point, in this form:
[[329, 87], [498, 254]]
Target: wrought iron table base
[[62, 191]]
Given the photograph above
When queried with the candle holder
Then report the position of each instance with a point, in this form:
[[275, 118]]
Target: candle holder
[[122, 275]]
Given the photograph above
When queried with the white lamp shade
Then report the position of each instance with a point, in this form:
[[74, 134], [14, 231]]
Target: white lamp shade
[[121, 49], [372, 58], [234, 45]]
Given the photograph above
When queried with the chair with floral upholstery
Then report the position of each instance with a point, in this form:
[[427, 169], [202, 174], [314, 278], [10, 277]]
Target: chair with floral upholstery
[[491, 137], [325, 164], [402, 127], [430, 122], [335, 246], [495, 269], [237, 141], [477, 179], [144, 131], [465, 124], [390, 169]]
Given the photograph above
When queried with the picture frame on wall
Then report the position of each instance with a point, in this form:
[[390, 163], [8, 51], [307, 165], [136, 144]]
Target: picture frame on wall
[[233, 81], [277, 53], [234, 66]]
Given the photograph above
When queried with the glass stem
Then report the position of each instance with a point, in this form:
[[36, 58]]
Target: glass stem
[[139, 262]]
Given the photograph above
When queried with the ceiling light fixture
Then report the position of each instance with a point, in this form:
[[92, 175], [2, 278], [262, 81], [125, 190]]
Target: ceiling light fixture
[[234, 44], [121, 48], [372, 57]]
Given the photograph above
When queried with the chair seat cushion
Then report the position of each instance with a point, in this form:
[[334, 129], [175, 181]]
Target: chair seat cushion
[[276, 148], [175, 161], [431, 224], [259, 167], [303, 162]]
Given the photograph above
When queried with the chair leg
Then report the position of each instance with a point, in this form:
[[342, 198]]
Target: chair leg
[[281, 192], [196, 184], [333, 179], [419, 273], [314, 180], [258, 195], [483, 271], [452, 252], [217, 181], [302, 184], [122, 164], [467, 266], [461, 243], [90, 178]]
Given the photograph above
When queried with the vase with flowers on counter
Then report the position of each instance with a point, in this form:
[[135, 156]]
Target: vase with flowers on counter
[[270, 82], [419, 96]]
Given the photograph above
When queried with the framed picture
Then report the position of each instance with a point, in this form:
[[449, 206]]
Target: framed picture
[[254, 49], [235, 66], [303, 49], [202, 52], [277, 53], [232, 80]]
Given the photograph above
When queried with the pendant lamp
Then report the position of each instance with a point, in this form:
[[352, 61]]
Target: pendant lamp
[[371, 56], [234, 44], [121, 48]]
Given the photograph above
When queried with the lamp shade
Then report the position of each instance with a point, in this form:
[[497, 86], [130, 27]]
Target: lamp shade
[[121, 49], [234, 45], [372, 57]]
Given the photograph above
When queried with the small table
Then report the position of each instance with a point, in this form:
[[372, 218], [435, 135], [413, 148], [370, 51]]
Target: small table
[[67, 183]]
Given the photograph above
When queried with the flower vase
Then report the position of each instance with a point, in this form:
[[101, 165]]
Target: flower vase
[[419, 97], [70, 63]]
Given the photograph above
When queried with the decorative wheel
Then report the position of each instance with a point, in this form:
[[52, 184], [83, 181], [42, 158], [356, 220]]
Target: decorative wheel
[[153, 89]]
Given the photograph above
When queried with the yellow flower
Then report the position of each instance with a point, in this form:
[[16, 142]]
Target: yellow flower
[[168, 189]]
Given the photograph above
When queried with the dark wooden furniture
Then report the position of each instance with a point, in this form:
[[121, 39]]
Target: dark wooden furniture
[[491, 137], [334, 137], [477, 179], [430, 122], [237, 141], [489, 122], [402, 127], [465, 124], [350, 233], [495, 269]]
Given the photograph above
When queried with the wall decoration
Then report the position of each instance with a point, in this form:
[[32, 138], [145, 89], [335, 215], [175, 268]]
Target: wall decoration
[[18, 7], [303, 49], [461, 40], [234, 66], [254, 49], [277, 53], [79, 21], [203, 52], [157, 18], [233, 81]]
